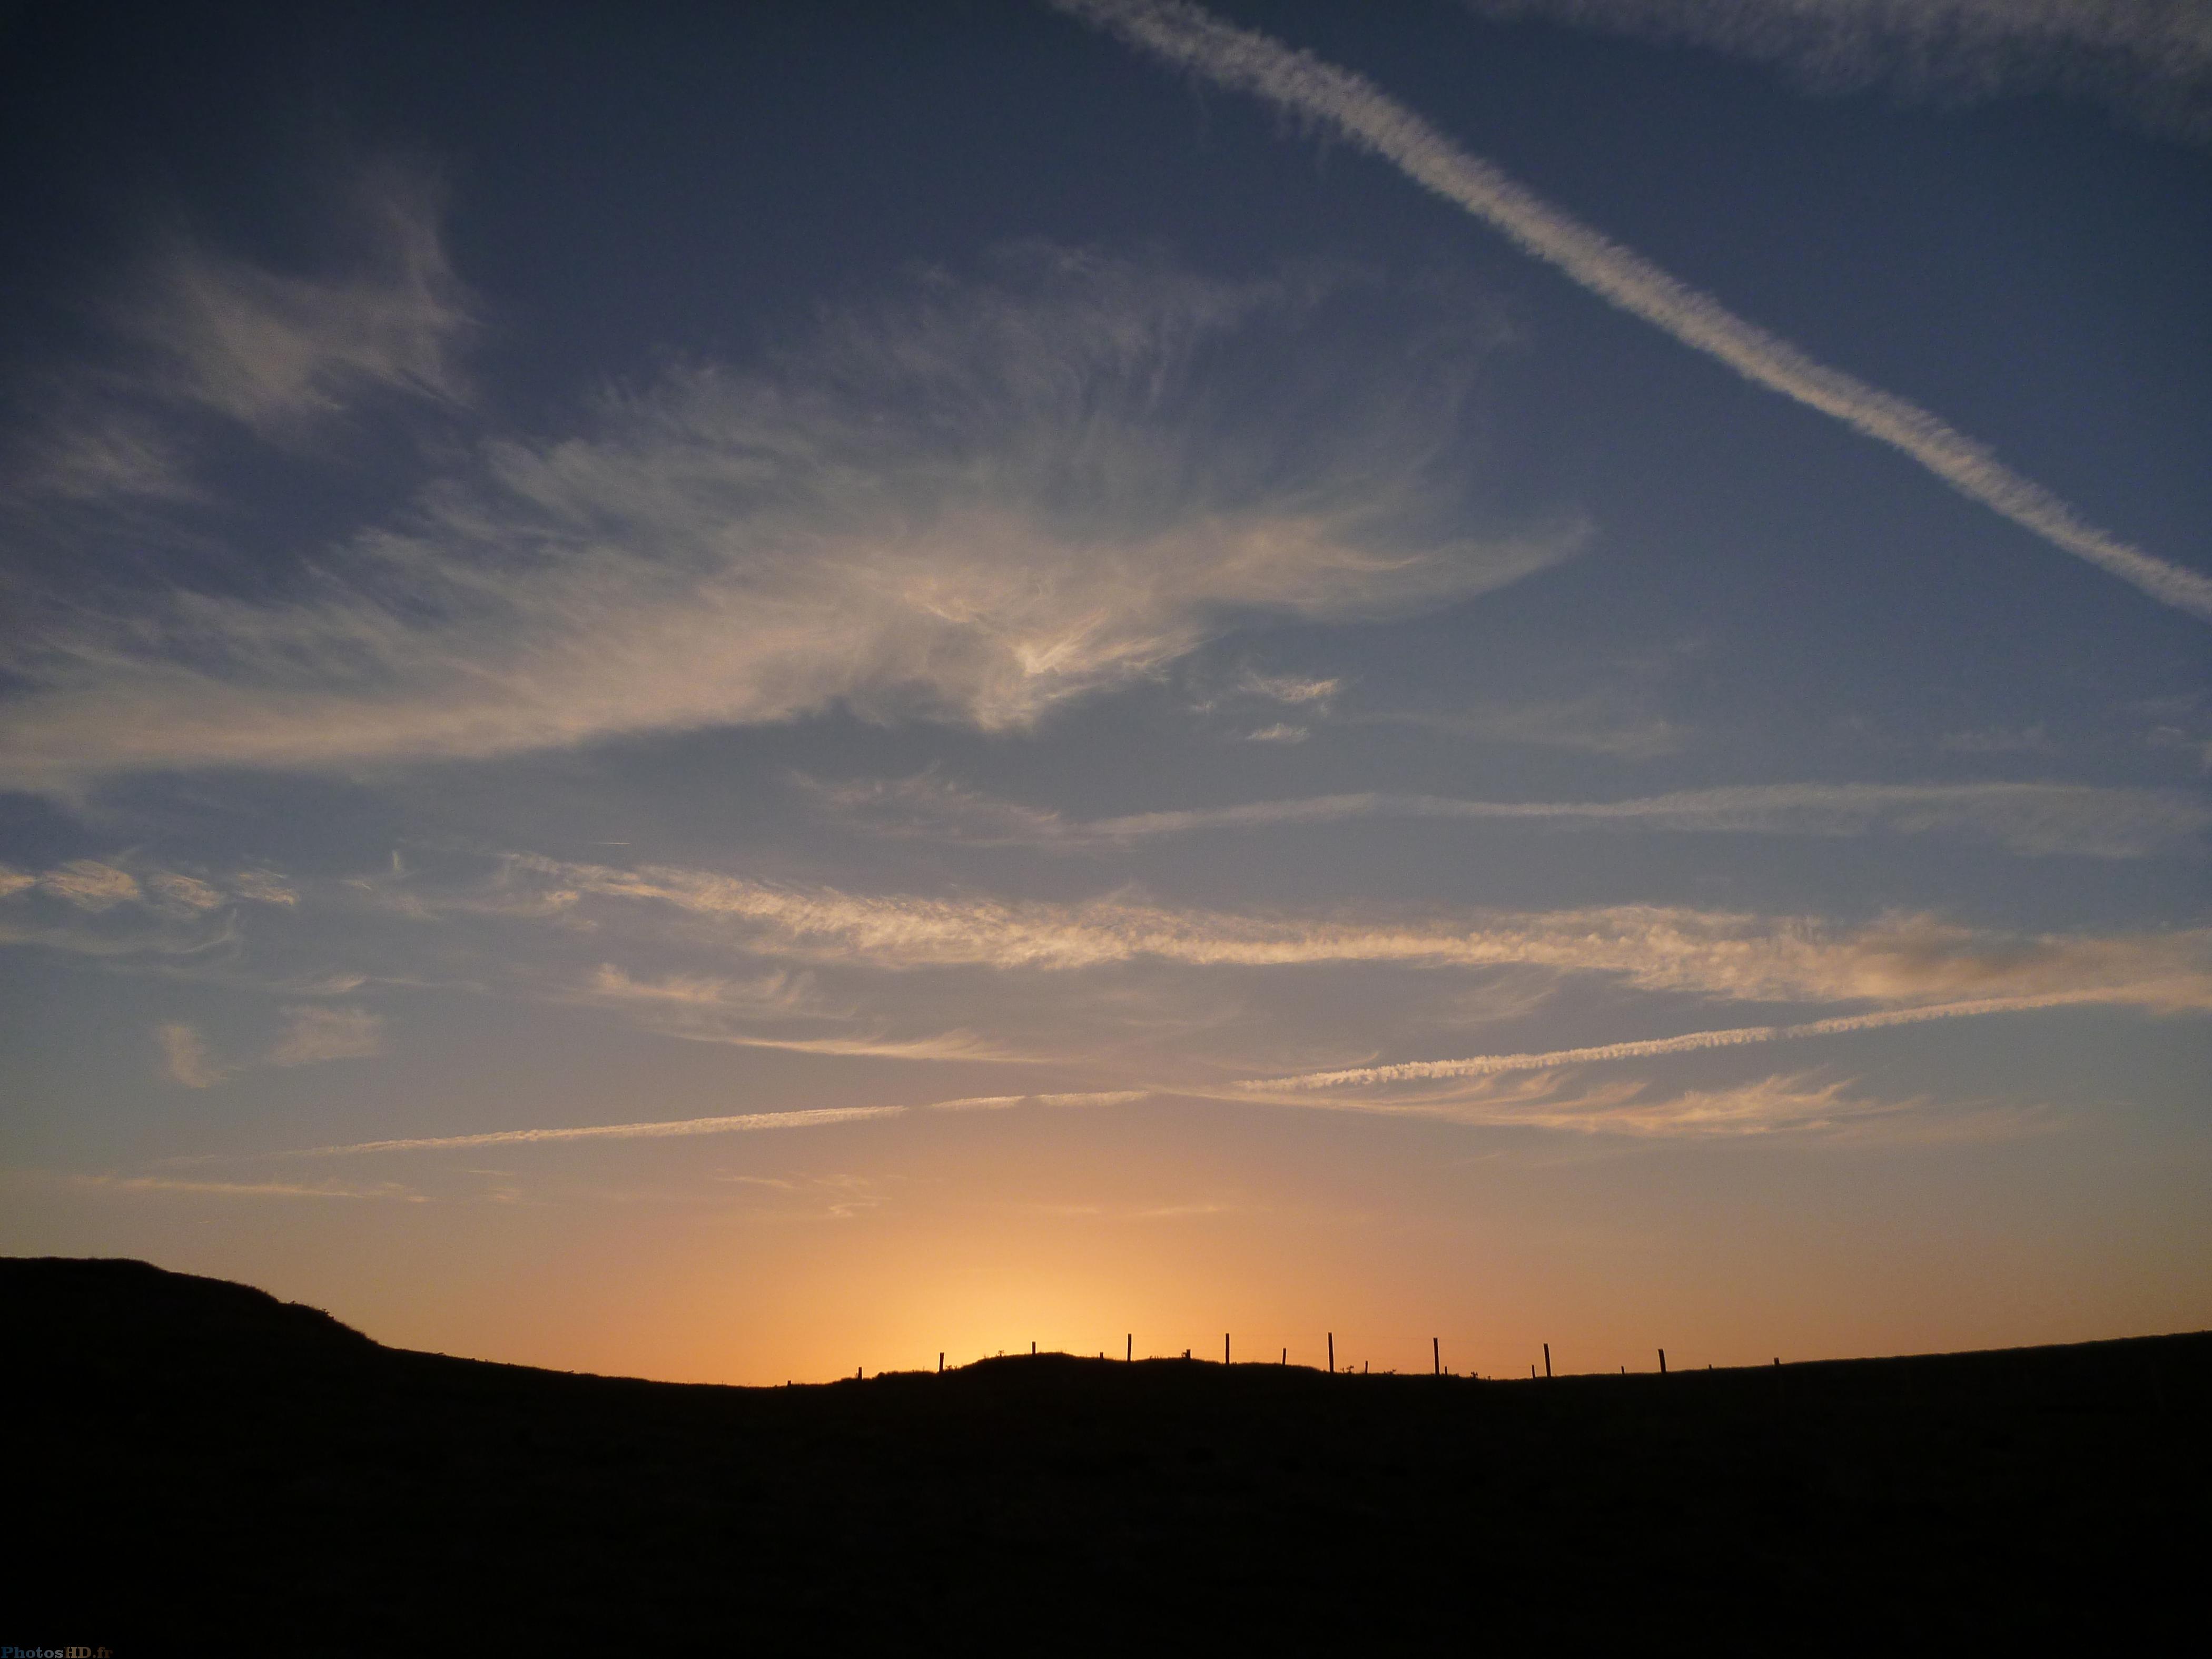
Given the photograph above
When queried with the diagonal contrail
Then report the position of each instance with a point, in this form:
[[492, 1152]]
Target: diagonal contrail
[[812, 1118], [1187, 36], [1418, 1070]]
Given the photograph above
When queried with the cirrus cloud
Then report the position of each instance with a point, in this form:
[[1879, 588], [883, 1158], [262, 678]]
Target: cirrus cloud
[[973, 505]]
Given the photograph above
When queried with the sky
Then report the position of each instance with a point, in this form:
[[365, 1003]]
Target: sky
[[724, 693]]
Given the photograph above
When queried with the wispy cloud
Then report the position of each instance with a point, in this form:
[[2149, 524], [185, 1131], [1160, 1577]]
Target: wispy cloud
[[1779, 1105], [203, 339], [2030, 818], [97, 454], [2151, 59], [973, 506], [1186, 36], [2025, 818], [1896, 959], [269, 350], [740, 1123], [1802, 1107], [314, 1035], [127, 907], [1690, 1042], [745, 1013], [1299, 690], [929, 805], [1004, 1103], [390, 1190], [1596, 725], [90, 885], [185, 1057]]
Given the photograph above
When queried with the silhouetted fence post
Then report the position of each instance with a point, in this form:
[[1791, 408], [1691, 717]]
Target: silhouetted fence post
[[940, 1362], [1032, 1350], [1436, 1356], [1286, 1356], [1547, 1362], [1129, 1347], [1332, 1353], [1224, 1348], [1662, 1362]]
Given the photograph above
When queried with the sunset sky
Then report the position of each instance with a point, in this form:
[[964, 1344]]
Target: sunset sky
[[726, 692]]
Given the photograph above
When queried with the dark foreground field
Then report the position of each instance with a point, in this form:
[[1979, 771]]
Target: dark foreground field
[[196, 1468]]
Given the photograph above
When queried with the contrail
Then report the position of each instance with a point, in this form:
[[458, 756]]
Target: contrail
[[1483, 1064], [1000, 1103], [743, 1122], [1367, 117], [812, 1118]]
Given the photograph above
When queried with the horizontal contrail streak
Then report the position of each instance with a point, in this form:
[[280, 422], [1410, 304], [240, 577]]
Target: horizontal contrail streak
[[1000, 1103], [2031, 816], [813, 1118], [1369, 118], [1483, 1064]]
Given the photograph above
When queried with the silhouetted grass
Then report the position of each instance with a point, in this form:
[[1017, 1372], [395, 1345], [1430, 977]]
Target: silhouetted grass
[[200, 1467]]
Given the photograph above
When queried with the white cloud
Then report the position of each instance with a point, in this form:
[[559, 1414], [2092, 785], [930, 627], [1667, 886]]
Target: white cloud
[[1281, 731], [2029, 818], [974, 506], [740, 1123], [98, 456], [928, 805], [1898, 959], [2152, 59], [1785, 1107], [760, 1012], [1773, 1105], [184, 895], [90, 885], [1002, 1102], [314, 1035], [384, 1189], [1691, 1042], [203, 339], [271, 350], [1297, 689], [1320, 93], [93, 907], [263, 887], [2032, 818], [185, 1059]]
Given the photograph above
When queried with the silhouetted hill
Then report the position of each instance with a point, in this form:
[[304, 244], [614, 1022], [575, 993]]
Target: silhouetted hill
[[125, 1315], [199, 1468]]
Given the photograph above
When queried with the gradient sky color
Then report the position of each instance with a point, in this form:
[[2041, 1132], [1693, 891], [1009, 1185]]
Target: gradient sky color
[[733, 692]]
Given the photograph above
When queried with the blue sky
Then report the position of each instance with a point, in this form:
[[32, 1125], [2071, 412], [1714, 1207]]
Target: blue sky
[[1060, 669]]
